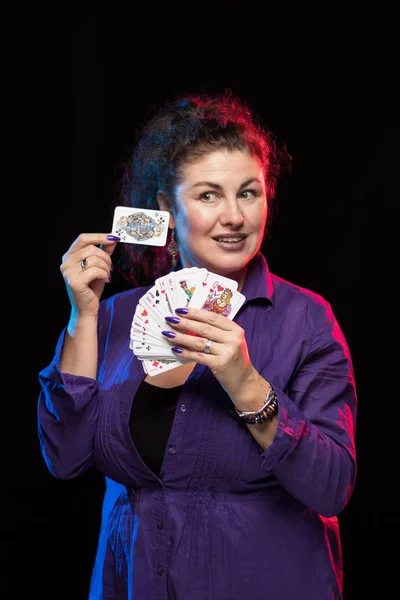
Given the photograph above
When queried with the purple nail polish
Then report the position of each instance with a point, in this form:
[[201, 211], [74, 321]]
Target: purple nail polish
[[113, 238], [174, 320], [177, 350], [182, 311], [169, 334]]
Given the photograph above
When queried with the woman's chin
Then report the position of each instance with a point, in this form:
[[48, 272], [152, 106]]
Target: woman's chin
[[216, 260]]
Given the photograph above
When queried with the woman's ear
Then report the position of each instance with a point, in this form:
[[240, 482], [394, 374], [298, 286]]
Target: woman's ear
[[165, 204]]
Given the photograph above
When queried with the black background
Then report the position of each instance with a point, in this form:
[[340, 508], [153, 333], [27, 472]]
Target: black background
[[77, 81]]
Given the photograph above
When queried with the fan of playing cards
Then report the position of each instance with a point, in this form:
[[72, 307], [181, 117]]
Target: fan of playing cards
[[191, 287]]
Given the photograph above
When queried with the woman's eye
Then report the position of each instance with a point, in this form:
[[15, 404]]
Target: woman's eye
[[248, 194], [208, 196]]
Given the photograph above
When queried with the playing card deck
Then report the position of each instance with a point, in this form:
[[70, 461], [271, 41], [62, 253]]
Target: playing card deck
[[191, 287]]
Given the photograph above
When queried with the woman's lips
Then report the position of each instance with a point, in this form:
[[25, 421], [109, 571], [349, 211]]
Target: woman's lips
[[231, 242]]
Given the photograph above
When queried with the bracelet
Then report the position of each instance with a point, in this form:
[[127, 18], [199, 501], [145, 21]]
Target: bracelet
[[265, 413]]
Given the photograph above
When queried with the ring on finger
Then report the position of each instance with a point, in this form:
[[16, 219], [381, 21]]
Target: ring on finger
[[83, 263], [207, 346]]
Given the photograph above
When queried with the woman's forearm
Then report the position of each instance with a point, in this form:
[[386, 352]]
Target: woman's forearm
[[80, 351]]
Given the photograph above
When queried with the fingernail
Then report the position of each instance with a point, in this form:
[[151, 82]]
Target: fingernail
[[169, 334], [113, 238], [174, 320], [182, 311], [177, 350]]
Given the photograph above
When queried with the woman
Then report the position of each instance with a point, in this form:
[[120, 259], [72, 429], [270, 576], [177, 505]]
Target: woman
[[228, 472]]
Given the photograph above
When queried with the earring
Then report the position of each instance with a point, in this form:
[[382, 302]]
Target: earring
[[173, 248]]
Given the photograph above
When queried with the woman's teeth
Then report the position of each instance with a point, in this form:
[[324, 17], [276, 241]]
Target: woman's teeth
[[228, 240]]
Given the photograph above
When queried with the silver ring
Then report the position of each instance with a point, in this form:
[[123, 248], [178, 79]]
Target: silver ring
[[83, 263], [207, 346]]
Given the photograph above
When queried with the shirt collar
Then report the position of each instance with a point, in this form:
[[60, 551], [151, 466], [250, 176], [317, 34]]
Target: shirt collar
[[258, 282]]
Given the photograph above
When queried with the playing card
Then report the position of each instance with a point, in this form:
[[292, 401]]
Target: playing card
[[209, 288], [138, 335], [225, 302], [143, 334], [141, 226], [150, 349], [143, 321], [170, 283], [154, 366], [166, 294], [186, 282], [152, 302]]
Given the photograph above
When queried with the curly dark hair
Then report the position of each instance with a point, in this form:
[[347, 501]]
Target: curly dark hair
[[182, 131]]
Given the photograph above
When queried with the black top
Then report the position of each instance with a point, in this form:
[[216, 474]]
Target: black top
[[150, 421]]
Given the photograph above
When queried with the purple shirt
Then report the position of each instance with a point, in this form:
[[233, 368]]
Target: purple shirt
[[225, 520]]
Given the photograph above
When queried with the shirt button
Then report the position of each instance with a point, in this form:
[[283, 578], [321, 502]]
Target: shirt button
[[160, 524], [183, 407], [172, 450], [160, 570]]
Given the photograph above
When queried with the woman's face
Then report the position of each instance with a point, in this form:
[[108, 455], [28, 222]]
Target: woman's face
[[220, 213]]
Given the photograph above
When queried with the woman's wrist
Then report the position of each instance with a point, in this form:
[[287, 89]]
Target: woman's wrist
[[82, 326], [252, 393]]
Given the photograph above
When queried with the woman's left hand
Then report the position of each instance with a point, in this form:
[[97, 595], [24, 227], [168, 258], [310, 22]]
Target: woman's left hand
[[217, 342]]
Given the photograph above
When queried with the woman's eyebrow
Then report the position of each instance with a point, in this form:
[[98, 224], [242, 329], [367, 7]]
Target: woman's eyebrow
[[217, 186]]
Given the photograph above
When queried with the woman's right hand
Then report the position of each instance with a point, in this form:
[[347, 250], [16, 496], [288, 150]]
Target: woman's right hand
[[86, 268]]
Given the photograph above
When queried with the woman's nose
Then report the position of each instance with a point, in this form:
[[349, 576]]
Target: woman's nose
[[231, 213]]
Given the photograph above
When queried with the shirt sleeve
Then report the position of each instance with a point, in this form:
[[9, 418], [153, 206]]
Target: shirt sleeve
[[313, 453], [67, 413]]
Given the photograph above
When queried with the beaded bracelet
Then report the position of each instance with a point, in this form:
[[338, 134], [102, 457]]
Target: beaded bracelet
[[265, 413]]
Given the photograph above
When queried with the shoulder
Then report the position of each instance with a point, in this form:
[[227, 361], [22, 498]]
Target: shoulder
[[302, 305], [301, 299]]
